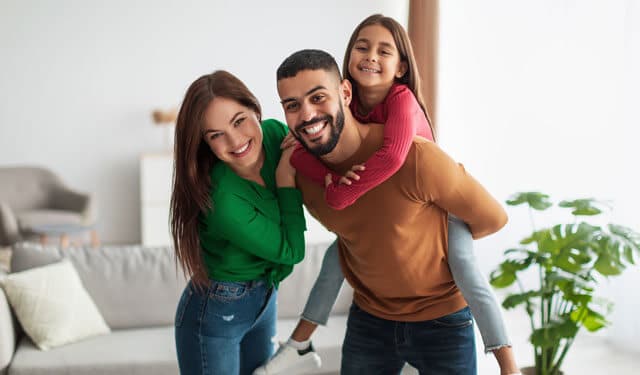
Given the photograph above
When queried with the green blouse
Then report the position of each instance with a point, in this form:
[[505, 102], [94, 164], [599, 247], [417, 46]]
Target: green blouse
[[253, 232]]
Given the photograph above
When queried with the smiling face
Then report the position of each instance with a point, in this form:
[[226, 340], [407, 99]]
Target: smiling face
[[313, 109], [233, 134], [374, 60]]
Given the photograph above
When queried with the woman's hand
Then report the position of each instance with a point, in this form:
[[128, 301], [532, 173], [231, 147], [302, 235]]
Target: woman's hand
[[288, 141], [285, 173]]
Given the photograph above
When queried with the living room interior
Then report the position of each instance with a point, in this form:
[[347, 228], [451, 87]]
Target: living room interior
[[529, 96]]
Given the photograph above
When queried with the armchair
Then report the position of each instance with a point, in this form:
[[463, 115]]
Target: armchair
[[32, 197]]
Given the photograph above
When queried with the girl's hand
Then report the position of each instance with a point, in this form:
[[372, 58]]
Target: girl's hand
[[351, 175], [288, 141], [346, 179], [285, 173]]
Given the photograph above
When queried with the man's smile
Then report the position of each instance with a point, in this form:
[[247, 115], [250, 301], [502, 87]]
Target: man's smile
[[313, 131]]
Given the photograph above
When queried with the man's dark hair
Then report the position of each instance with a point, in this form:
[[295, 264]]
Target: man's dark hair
[[308, 59]]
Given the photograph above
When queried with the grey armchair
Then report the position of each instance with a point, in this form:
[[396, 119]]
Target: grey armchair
[[32, 197]]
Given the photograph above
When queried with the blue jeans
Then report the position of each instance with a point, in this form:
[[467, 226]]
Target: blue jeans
[[465, 271], [227, 328], [443, 346]]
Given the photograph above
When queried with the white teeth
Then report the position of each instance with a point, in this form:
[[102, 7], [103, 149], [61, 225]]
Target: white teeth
[[314, 129], [243, 149], [369, 70]]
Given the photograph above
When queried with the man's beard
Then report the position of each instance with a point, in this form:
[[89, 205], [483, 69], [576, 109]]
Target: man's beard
[[335, 127]]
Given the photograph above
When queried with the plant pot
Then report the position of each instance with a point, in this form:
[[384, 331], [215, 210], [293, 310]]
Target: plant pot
[[531, 370]]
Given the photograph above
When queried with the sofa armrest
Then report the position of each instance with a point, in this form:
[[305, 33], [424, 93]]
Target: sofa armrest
[[9, 232], [83, 203], [7, 331]]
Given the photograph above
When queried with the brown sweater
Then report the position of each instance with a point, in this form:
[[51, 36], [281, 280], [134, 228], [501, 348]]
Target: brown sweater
[[393, 239]]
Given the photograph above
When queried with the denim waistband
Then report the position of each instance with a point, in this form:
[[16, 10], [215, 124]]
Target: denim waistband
[[247, 284]]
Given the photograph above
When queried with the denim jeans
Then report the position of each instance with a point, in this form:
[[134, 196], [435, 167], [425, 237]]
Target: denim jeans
[[474, 286], [465, 271], [443, 346], [227, 328]]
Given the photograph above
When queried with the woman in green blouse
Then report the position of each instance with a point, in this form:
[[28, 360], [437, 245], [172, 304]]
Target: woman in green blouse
[[237, 224]]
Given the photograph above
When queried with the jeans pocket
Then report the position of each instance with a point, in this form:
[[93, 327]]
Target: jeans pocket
[[227, 290], [458, 319], [182, 305]]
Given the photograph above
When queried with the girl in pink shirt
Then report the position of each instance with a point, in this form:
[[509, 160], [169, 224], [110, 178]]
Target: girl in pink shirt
[[380, 65]]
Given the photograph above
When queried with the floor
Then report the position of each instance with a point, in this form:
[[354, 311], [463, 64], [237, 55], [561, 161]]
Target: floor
[[590, 354]]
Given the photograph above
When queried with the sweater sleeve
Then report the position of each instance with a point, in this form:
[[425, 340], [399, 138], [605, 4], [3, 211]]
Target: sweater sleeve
[[309, 166], [404, 118], [442, 181], [246, 227]]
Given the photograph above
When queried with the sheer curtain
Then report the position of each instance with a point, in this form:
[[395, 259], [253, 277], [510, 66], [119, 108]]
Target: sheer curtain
[[625, 290], [544, 95]]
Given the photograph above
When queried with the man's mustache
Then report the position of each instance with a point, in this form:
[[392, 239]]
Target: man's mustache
[[314, 120]]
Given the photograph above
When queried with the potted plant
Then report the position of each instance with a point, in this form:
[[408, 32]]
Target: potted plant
[[569, 260]]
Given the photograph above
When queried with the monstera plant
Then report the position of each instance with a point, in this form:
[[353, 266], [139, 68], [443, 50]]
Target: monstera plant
[[569, 259]]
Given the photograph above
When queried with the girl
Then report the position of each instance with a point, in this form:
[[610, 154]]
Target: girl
[[380, 64], [237, 224]]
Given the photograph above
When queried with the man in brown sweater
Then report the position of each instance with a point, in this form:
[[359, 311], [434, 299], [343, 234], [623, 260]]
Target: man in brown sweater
[[393, 239]]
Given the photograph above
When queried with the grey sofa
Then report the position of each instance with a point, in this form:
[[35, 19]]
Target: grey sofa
[[33, 196], [136, 289]]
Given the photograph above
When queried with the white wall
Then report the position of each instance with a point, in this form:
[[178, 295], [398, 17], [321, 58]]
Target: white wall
[[78, 79], [533, 94], [544, 95]]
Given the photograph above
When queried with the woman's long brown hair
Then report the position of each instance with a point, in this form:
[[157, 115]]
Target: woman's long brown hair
[[193, 160], [411, 77]]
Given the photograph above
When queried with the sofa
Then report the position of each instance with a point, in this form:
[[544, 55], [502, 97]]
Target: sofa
[[136, 289]]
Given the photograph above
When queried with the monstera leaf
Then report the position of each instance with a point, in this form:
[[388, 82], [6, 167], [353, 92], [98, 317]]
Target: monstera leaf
[[570, 258], [537, 201]]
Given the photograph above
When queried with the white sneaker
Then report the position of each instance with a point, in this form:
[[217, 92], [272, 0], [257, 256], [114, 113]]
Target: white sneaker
[[289, 361]]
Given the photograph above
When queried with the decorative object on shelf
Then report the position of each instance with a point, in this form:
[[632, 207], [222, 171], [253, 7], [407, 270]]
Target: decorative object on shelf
[[167, 119], [570, 259]]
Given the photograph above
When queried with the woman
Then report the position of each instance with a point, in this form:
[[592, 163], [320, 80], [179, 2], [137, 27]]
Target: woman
[[237, 224]]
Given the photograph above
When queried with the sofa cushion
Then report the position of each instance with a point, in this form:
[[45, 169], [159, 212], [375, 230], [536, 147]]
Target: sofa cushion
[[134, 351], [133, 286], [150, 285], [53, 306], [294, 290]]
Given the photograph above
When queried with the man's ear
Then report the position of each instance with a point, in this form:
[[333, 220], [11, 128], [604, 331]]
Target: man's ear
[[346, 92], [402, 69]]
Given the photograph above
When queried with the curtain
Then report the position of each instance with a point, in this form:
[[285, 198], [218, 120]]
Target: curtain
[[423, 31]]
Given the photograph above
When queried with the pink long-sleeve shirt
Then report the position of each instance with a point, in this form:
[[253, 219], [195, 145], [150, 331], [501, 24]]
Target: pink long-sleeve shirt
[[403, 118]]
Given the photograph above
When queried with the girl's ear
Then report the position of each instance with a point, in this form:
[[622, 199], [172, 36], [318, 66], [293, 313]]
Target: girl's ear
[[402, 69], [346, 92]]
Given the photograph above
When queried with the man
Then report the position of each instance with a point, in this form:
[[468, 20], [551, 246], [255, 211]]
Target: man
[[393, 240]]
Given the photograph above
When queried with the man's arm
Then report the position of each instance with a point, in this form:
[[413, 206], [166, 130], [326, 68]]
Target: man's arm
[[447, 184]]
